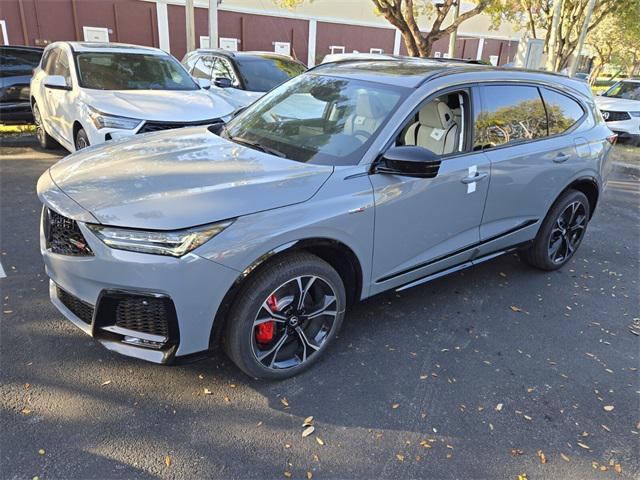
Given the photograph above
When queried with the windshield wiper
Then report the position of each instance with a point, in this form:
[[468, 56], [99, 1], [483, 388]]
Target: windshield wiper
[[255, 146]]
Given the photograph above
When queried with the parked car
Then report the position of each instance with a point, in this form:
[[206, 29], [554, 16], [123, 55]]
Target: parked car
[[87, 93], [16, 66], [391, 174], [241, 77], [620, 107]]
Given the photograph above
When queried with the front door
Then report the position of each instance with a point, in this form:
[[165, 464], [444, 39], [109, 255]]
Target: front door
[[425, 225]]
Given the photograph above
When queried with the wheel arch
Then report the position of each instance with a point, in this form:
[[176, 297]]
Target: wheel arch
[[588, 186], [76, 127], [337, 254]]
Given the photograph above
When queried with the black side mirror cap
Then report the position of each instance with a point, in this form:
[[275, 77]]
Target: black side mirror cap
[[409, 161], [223, 82]]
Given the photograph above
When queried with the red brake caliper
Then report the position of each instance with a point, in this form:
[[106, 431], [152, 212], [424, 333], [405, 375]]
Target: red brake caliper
[[266, 330]]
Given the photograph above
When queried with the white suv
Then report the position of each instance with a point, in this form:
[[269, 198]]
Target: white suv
[[87, 93], [620, 107]]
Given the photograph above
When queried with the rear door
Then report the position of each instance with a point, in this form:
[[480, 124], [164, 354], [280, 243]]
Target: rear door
[[533, 152]]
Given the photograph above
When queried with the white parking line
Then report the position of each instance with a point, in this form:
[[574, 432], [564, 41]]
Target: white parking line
[[2, 274]]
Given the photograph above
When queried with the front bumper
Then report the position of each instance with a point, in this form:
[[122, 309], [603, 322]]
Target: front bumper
[[193, 285]]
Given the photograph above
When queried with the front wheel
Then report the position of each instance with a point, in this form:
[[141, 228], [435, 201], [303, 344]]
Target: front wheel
[[561, 232], [285, 316], [82, 139]]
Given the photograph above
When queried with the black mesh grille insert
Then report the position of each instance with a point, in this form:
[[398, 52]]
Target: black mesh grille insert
[[151, 126], [79, 308], [63, 235], [615, 116], [143, 314]]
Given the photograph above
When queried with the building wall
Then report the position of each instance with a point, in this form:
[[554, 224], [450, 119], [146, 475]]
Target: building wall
[[128, 21], [352, 37]]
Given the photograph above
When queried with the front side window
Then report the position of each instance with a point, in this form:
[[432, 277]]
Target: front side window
[[562, 111], [132, 71], [61, 67], [49, 60], [261, 74], [439, 125], [317, 119], [625, 90], [223, 69], [510, 114]]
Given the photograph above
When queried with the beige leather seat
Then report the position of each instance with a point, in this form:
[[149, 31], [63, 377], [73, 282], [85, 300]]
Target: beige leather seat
[[367, 116], [435, 130]]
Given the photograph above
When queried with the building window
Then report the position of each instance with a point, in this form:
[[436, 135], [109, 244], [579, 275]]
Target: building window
[[95, 34], [376, 50], [336, 49]]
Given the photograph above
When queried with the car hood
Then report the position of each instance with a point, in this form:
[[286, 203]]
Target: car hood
[[234, 96], [181, 178], [617, 104], [159, 105]]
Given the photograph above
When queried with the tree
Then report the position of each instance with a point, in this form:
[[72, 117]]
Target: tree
[[405, 15], [535, 16]]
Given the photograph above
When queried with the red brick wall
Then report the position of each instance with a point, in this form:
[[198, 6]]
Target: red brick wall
[[53, 20], [352, 37]]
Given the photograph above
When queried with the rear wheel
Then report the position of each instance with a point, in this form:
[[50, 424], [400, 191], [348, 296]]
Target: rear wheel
[[46, 141], [285, 317], [561, 232], [82, 139]]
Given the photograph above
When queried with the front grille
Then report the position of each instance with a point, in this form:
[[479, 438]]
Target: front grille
[[79, 308], [63, 235], [610, 116], [143, 314], [151, 126]]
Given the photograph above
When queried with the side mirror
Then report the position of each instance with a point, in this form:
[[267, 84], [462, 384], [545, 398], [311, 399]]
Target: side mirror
[[56, 82], [409, 161], [222, 82], [204, 83]]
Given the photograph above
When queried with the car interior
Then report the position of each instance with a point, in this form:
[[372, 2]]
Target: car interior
[[439, 125]]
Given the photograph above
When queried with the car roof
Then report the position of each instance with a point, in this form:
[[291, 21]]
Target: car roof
[[249, 53], [412, 72], [22, 48], [112, 48]]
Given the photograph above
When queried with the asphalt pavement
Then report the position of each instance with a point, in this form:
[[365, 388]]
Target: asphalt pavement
[[491, 373]]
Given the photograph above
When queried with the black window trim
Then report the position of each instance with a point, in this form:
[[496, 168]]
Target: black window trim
[[234, 69], [480, 88]]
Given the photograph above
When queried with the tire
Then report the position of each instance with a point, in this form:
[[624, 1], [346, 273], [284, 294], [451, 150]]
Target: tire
[[267, 304], [561, 233], [82, 139], [45, 140]]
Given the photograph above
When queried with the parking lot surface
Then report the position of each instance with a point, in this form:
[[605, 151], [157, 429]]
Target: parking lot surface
[[493, 372]]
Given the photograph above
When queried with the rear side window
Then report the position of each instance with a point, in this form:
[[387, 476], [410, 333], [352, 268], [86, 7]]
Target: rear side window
[[202, 68], [562, 111], [16, 59], [509, 114]]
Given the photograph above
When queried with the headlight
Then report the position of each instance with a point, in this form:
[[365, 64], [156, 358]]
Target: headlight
[[634, 114], [175, 243], [102, 120]]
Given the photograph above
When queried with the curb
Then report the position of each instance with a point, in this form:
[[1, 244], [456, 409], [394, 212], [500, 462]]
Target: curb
[[627, 168]]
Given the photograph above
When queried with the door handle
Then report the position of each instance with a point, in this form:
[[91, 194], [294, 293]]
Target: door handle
[[475, 178], [561, 157]]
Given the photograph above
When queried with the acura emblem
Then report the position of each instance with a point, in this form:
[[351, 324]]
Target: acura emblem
[[605, 115]]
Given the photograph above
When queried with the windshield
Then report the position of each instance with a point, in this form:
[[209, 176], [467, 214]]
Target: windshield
[[261, 74], [625, 90], [317, 119], [132, 71]]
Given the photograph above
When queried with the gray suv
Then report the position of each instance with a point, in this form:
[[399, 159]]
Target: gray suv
[[346, 181]]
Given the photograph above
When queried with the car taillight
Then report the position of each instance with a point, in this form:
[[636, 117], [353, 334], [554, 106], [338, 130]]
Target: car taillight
[[612, 139]]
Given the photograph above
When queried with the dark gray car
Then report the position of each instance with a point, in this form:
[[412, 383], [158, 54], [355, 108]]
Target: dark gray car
[[349, 180]]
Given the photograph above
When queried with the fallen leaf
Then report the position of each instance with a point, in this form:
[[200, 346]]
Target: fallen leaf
[[606, 428], [516, 451], [106, 382], [617, 468], [319, 440], [395, 405], [522, 476], [307, 422], [167, 461], [227, 399], [527, 417], [309, 475], [586, 447], [565, 458], [608, 408], [207, 391], [287, 474], [542, 457], [308, 431], [400, 457], [516, 309], [424, 376], [41, 451], [499, 407], [25, 411], [284, 402]]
